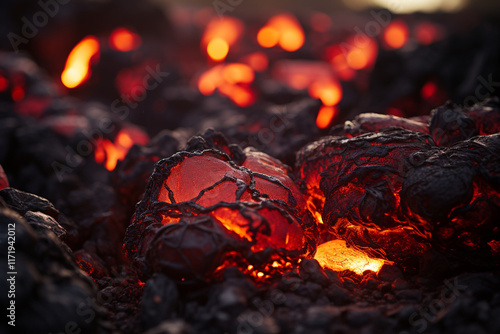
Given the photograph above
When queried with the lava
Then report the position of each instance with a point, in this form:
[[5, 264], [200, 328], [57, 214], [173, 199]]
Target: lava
[[335, 255]]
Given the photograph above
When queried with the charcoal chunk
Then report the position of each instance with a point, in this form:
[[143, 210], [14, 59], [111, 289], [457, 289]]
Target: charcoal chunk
[[23, 202]]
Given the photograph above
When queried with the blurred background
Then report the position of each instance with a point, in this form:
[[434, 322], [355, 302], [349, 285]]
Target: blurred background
[[185, 66]]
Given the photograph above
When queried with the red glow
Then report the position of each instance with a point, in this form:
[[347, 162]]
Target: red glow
[[219, 36], [109, 153], [339, 63], [77, 65], [122, 39], [429, 89], [284, 30], [4, 83], [257, 60], [427, 33], [396, 34], [17, 93]]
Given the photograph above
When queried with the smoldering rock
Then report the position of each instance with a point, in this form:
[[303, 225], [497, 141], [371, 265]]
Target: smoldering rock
[[371, 122], [131, 175], [451, 123]]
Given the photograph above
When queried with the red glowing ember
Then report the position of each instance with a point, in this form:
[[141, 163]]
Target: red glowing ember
[[124, 40], [249, 204], [109, 153]]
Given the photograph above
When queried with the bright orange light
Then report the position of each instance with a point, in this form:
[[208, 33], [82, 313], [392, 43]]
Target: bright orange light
[[217, 49], [210, 80], [238, 73], [328, 91], [241, 96], [427, 33], [336, 256], [257, 60], [232, 80], [339, 63], [220, 35], [283, 29], [109, 153], [396, 34], [361, 56], [325, 116], [268, 37], [124, 40], [78, 62]]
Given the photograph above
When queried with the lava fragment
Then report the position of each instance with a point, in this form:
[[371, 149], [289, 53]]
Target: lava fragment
[[234, 214], [395, 193]]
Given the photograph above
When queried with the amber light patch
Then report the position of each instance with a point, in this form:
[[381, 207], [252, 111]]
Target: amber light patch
[[335, 255]]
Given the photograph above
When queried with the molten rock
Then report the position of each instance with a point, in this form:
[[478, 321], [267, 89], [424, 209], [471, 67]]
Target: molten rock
[[204, 211], [396, 193]]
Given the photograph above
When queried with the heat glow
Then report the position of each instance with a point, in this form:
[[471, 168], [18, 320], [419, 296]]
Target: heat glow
[[283, 30], [219, 36], [77, 66], [335, 255], [124, 40]]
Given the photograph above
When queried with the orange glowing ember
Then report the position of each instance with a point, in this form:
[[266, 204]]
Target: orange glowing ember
[[396, 34], [328, 91], [268, 37], [220, 35], [217, 49], [283, 30], [325, 116], [122, 39], [336, 256], [109, 153], [77, 65], [232, 80], [363, 55]]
